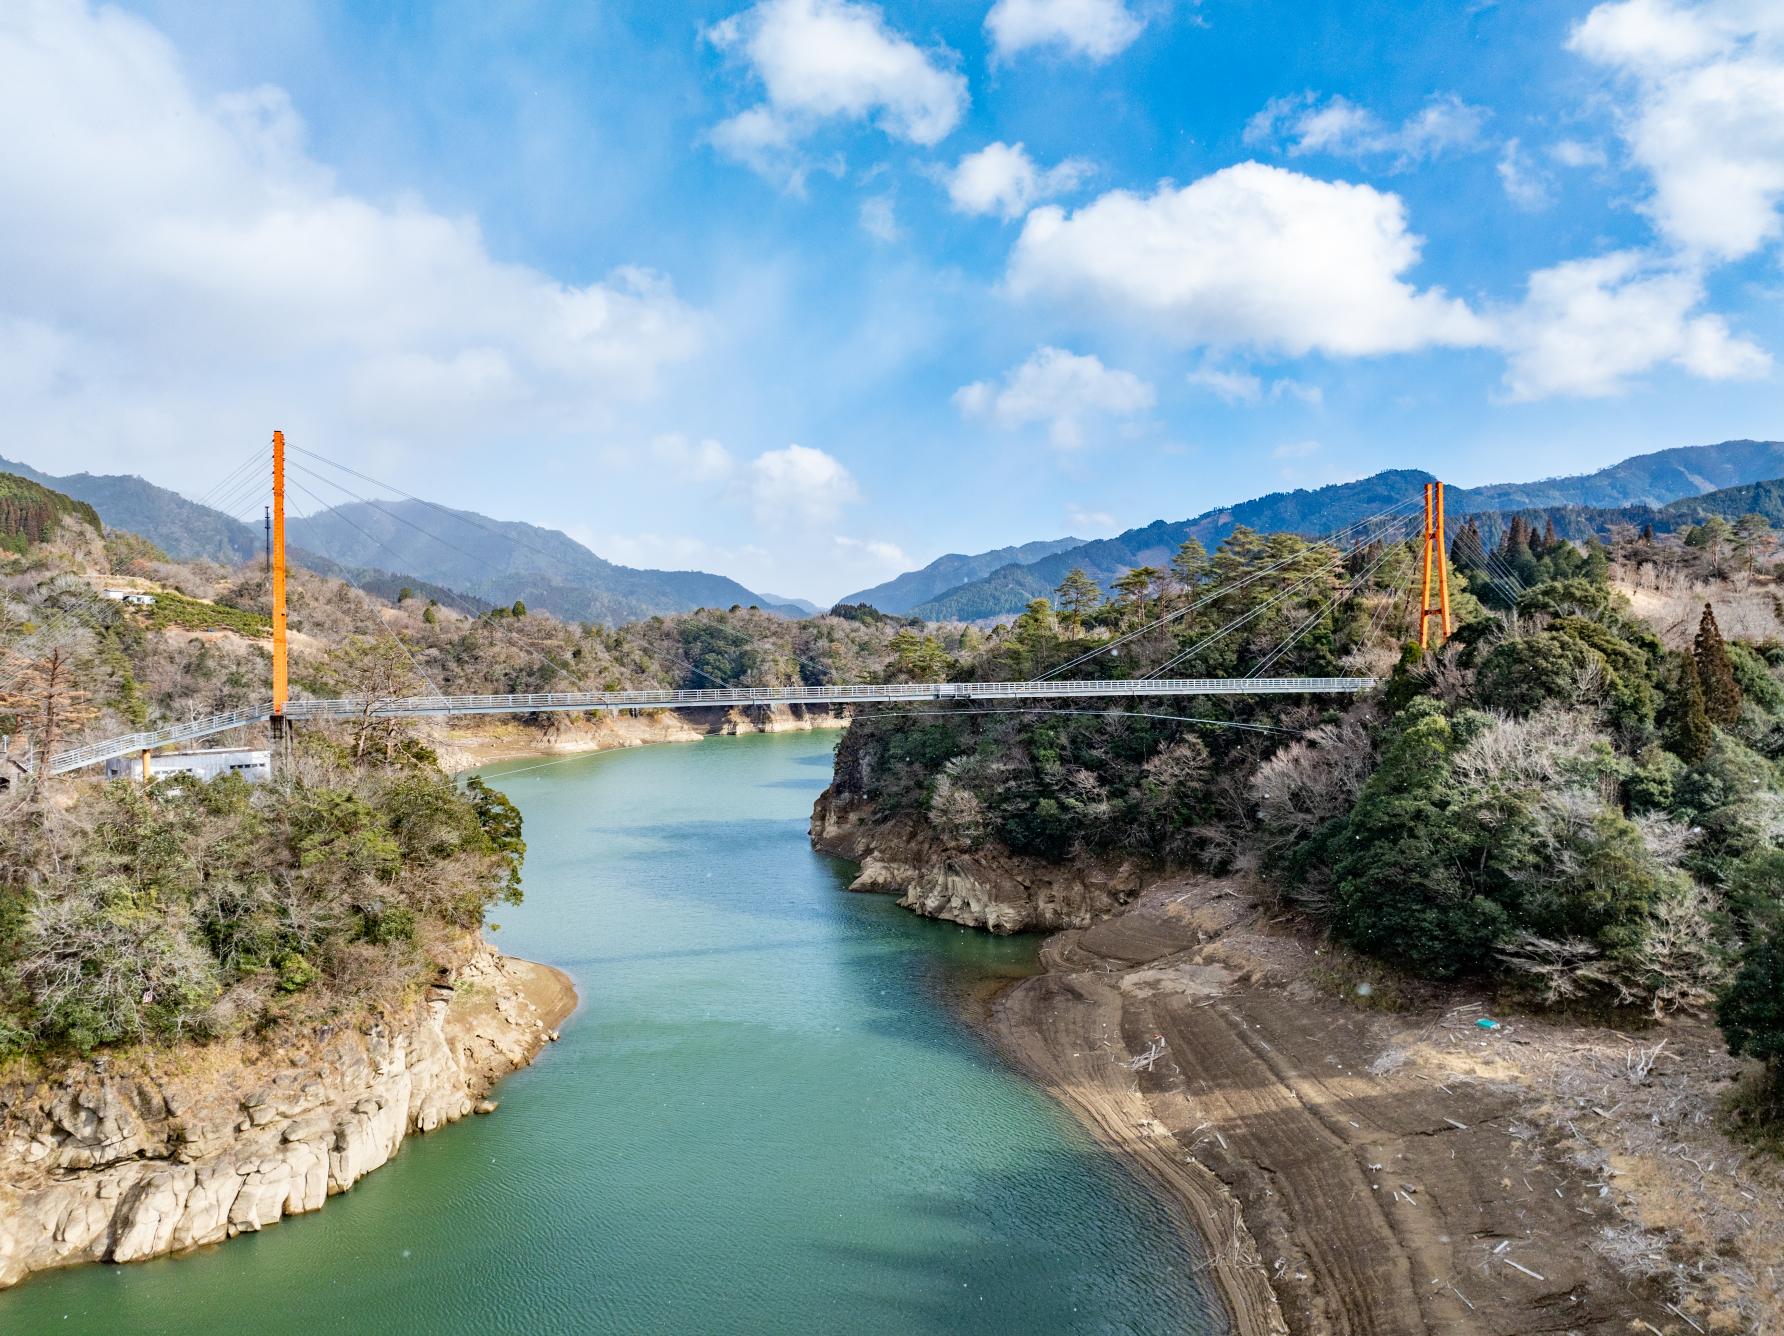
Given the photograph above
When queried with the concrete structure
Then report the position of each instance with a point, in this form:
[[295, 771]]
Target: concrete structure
[[253, 764]]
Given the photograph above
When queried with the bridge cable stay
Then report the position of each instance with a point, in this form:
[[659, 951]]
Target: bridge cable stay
[[513, 541], [1350, 589], [1243, 619], [1214, 595], [347, 575], [379, 544]]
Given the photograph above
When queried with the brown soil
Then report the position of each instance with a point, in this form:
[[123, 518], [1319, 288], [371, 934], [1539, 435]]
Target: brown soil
[[1357, 1170]]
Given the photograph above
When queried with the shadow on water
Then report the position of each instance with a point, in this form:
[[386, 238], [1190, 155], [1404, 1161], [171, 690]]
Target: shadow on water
[[952, 1274]]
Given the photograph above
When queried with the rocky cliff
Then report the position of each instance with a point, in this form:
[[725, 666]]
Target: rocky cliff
[[121, 1159], [983, 887]]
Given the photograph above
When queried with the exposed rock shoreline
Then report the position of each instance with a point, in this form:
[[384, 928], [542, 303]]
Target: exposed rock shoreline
[[137, 1156], [490, 739], [980, 888]]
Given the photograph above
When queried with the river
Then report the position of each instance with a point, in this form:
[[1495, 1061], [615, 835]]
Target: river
[[765, 1116]]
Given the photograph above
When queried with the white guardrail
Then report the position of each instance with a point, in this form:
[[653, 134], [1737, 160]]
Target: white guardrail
[[666, 699]]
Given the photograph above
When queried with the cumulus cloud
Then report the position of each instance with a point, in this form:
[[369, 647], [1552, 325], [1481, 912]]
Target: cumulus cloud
[[1587, 327], [800, 486], [1001, 178], [1525, 184], [1062, 389], [1306, 123], [1707, 120], [1251, 255], [1233, 387], [1098, 29], [879, 218], [832, 59], [1093, 522], [180, 270]]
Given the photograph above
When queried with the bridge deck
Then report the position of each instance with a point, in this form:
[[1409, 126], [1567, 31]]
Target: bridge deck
[[724, 697]]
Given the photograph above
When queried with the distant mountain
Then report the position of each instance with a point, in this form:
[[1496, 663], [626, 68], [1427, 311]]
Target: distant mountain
[[504, 560], [1643, 480], [914, 587], [183, 529], [387, 546], [804, 605], [1582, 522], [1320, 510]]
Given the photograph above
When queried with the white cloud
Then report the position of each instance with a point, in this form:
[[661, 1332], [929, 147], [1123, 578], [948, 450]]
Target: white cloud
[[1001, 178], [1524, 182], [879, 218], [1089, 523], [1587, 327], [202, 276], [1251, 255], [888, 556], [1296, 450], [1233, 387], [800, 486], [1707, 122], [1305, 124], [1059, 388], [1573, 153], [1098, 29], [1243, 387], [705, 460], [832, 59], [1311, 395]]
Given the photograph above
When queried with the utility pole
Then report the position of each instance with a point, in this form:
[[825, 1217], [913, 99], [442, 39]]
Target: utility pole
[[1436, 568], [269, 540], [276, 559]]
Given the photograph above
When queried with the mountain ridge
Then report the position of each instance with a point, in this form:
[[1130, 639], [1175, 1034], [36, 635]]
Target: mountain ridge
[[1655, 478], [188, 530]]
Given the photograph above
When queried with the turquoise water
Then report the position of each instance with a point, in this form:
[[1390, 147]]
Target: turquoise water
[[765, 1116]]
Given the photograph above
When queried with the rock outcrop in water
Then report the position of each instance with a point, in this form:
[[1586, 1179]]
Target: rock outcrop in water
[[986, 887], [118, 1160]]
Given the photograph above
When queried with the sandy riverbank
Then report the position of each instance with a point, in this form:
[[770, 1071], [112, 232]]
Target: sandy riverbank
[[1353, 1169]]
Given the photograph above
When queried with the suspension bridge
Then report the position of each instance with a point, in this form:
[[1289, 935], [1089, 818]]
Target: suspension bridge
[[282, 710]]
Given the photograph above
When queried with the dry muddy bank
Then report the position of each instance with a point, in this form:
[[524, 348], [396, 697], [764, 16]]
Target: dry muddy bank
[[1353, 1169]]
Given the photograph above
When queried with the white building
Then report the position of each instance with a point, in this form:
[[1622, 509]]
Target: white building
[[253, 765]]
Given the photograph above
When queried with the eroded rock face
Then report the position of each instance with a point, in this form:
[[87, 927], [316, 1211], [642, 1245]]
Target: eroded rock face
[[104, 1164], [987, 887]]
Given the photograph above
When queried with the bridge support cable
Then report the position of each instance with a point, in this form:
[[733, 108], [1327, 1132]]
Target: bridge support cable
[[1356, 583], [347, 575], [510, 539], [1246, 618], [1215, 595]]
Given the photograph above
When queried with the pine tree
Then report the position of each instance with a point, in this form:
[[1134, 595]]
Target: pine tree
[[1721, 693], [1690, 736], [1078, 595]]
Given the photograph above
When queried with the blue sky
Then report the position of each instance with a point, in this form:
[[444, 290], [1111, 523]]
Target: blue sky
[[810, 291]]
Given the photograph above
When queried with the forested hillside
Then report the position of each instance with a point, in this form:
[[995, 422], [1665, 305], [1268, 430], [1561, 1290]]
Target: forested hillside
[[1644, 480], [32, 514], [1553, 803]]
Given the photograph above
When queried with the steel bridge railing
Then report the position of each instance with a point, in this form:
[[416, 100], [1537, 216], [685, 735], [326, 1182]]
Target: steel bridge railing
[[668, 699]]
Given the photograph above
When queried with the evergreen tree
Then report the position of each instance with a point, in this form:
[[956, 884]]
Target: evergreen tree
[[1690, 735], [1190, 564], [1751, 1011], [1721, 694], [1648, 533], [1078, 595]]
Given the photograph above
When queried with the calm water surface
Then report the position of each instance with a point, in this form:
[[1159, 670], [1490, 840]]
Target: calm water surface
[[764, 1117]]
